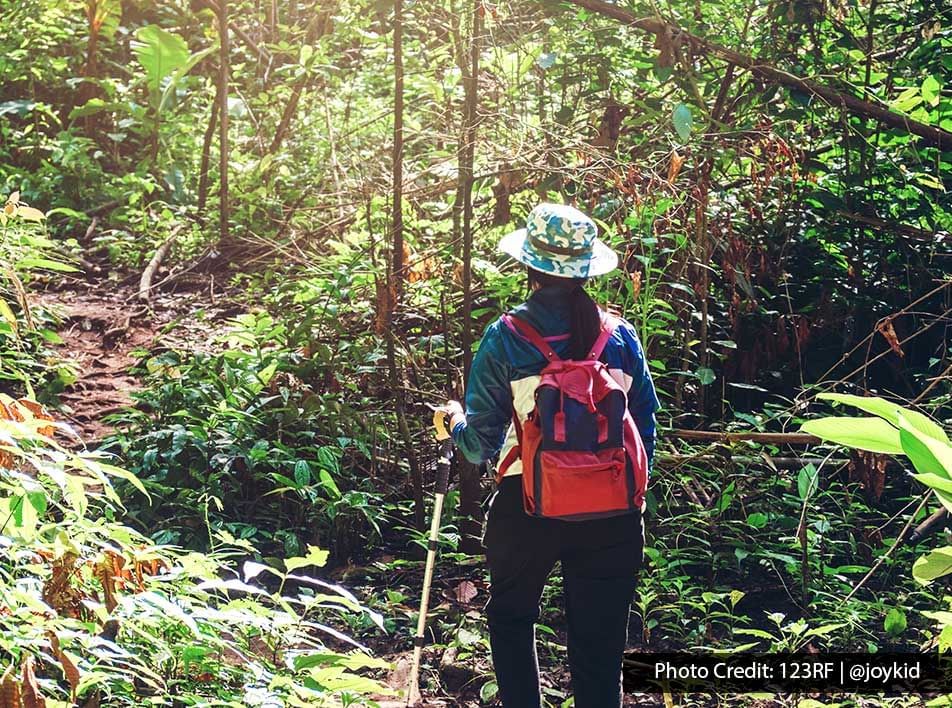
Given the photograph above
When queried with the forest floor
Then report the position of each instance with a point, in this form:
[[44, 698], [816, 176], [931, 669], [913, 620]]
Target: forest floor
[[105, 329]]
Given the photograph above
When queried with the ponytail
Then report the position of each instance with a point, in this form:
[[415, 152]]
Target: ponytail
[[584, 317]]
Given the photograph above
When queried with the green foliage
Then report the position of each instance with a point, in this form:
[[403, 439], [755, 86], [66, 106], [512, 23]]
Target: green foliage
[[246, 437], [161, 53], [26, 251], [929, 450], [281, 433], [93, 611], [897, 430], [683, 121]]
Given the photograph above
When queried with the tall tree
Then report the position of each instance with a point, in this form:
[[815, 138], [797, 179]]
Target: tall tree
[[396, 258], [470, 487], [223, 119], [396, 272]]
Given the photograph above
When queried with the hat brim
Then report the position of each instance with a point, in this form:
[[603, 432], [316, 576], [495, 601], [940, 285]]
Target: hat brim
[[603, 259]]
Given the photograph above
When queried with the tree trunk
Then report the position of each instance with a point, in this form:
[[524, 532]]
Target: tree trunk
[[223, 121], [470, 474], [396, 259], [206, 155], [395, 274]]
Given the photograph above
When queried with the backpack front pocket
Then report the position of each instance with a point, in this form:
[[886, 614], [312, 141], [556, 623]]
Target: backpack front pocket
[[582, 485]]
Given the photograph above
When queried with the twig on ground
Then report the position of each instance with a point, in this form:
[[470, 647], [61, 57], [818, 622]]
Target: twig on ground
[[145, 282]]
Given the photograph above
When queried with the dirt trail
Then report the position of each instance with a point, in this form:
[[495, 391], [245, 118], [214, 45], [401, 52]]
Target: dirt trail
[[103, 326]]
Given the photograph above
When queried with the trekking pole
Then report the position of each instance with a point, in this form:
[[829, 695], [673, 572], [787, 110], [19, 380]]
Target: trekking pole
[[442, 482]]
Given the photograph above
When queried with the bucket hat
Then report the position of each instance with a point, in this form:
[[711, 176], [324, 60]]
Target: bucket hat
[[560, 240]]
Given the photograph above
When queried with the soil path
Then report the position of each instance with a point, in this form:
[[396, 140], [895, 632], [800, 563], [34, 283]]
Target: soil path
[[105, 330]]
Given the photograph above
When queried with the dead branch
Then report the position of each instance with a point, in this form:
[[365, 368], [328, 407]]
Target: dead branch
[[767, 438], [145, 282], [901, 229], [780, 463], [90, 230]]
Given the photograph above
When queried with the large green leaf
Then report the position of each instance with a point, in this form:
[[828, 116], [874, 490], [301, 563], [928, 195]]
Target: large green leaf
[[160, 53], [682, 120], [933, 565], [315, 556], [932, 459], [890, 412], [937, 482], [181, 72], [895, 622], [807, 481], [942, 487], [927, 454], [873, 434]]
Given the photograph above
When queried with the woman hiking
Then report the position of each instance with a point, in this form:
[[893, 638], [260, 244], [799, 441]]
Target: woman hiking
[[561, 393]]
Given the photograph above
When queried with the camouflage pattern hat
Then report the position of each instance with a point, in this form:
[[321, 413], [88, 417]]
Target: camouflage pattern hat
[[560, 240]]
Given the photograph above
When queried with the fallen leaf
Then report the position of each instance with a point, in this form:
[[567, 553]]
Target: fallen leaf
[[70, 670], [465, 592]]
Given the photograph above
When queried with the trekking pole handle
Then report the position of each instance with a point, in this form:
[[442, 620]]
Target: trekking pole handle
[[443, 466]]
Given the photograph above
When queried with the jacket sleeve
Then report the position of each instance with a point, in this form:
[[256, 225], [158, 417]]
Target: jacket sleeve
[[488, 400], [642, 398]]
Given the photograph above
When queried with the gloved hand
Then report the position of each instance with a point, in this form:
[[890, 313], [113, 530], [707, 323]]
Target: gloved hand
[[446, 417]]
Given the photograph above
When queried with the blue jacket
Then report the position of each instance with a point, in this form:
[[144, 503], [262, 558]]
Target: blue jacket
[[505, 373]]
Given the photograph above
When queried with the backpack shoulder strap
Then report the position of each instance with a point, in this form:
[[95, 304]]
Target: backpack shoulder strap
[[527, 332], [608, 328]]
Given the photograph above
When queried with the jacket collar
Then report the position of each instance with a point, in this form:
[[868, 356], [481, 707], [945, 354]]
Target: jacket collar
[[550, 297]]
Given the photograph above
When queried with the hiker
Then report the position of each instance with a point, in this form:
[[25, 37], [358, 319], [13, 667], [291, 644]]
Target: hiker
[[601, 554]]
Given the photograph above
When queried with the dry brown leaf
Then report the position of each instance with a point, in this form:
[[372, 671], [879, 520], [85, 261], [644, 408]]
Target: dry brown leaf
[[30, 693], [674, 167], [423, 269], [869, 469], [10, 412], [70, 670], [58, 592], [105, 574], [465, 592], [636, 284], [9, 690], [889, 332], [39, 413]]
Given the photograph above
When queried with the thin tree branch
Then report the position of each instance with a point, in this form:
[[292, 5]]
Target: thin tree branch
[[932, 135]]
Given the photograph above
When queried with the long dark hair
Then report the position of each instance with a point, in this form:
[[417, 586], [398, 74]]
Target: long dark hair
[[584, 320]]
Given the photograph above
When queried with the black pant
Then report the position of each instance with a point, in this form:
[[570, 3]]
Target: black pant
[[600, 561]]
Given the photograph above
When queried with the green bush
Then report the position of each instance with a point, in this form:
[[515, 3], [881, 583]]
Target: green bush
[[91, 610], [25, 249], [240, 440]]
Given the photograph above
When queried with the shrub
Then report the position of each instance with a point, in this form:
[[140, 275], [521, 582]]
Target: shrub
[[92, 611]]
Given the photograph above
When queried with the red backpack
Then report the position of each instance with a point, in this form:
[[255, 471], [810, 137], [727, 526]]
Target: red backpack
[[582, 456]]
